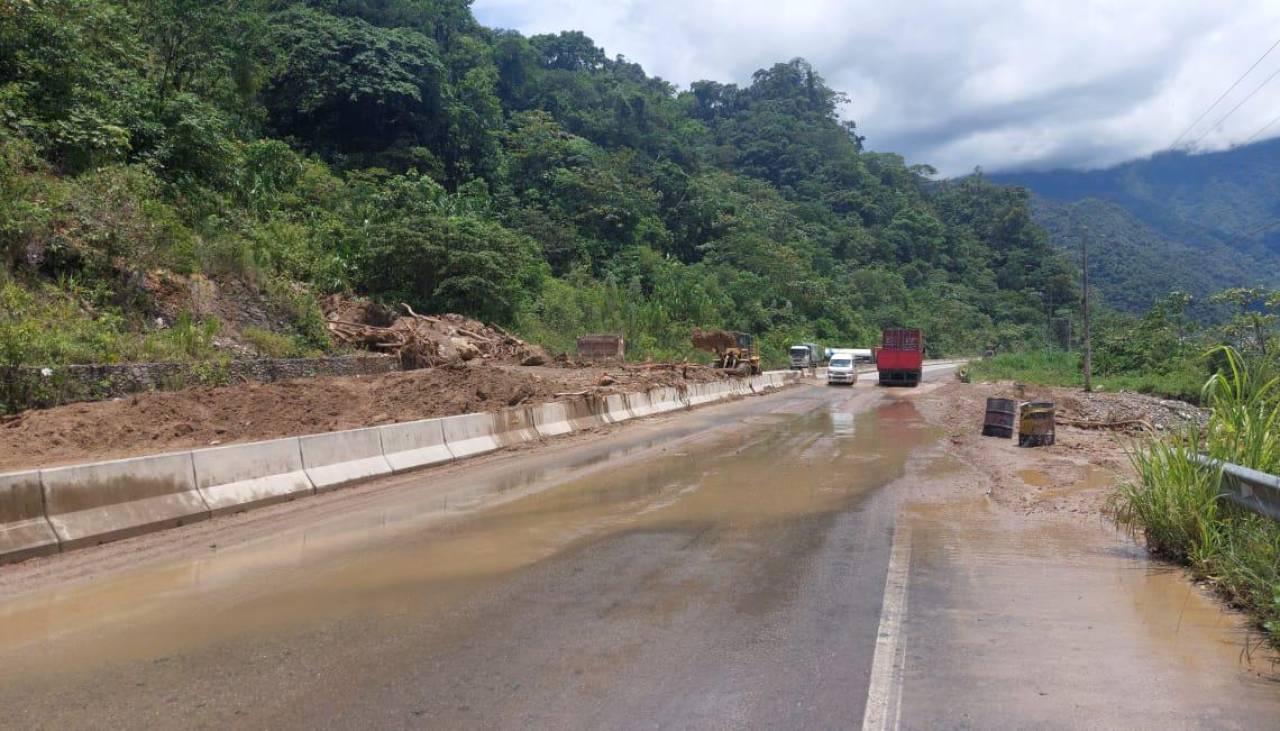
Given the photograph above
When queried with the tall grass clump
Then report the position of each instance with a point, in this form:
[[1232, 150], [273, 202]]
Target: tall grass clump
[[1245, 408], [1176, 503], [1045, 367]]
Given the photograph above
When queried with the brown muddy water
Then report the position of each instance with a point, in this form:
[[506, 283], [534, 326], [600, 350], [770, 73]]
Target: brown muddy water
[[1064, 620], [414, 553]]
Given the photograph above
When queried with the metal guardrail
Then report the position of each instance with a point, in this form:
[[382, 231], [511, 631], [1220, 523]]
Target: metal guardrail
[[1248, 488]]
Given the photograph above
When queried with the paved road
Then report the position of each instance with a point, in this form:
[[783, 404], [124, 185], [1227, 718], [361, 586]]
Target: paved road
[[724, 568]]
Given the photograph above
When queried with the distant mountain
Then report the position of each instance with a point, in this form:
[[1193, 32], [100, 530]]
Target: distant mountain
[[1198, 223]]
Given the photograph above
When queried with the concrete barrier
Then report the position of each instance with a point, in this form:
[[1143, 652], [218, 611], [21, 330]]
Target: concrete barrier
[[338, 458], [414, 444], [240, 476], [701, 393], [660, 401], [666, 399], [710, 392], [24, 531], [616, 408], [640, 404], [586, 412], [551, 420], [469, 434], [514, 426], [105, 501]]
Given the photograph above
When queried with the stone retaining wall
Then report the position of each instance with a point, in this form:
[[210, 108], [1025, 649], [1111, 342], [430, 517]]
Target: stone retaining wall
[[32, 387]]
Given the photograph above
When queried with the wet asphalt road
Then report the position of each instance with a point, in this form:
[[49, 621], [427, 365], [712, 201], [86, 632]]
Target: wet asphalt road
[[719, 569], [728, 573]]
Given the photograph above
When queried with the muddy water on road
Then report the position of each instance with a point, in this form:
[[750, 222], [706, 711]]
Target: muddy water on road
[[418, 553], [1064, 622]]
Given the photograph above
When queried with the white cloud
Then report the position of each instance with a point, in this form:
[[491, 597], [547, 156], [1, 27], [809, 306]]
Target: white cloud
[[954, 83]]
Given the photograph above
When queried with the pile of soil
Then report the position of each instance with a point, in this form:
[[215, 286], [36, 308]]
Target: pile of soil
[[156, 422], [424, 341]]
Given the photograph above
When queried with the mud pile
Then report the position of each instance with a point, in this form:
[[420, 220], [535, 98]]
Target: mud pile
[[154, 422]]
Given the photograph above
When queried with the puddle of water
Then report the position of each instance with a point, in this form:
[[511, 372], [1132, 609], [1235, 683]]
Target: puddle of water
[[416, 552], [1035, 478], [1095, 479], [1041, 594]]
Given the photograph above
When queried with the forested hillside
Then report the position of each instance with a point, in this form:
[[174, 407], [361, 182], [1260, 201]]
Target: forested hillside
[[1198, 223], [399, 150]]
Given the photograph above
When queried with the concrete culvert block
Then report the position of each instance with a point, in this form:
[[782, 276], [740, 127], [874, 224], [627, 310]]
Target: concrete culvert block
[[24, 531], [469, 434], [240, 476], [415, 444], [106, 501], [339, 458]]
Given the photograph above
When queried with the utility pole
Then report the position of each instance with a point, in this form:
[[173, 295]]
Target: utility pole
[[1088, 342]]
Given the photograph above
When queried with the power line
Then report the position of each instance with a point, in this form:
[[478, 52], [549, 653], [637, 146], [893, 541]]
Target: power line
[[1273, 223], [1265, 127], [1217, 101], [1233, 109]]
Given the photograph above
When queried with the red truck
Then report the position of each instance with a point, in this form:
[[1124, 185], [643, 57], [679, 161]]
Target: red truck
[[900, 357]]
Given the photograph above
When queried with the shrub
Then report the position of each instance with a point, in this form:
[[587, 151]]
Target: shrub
[[274, 345]]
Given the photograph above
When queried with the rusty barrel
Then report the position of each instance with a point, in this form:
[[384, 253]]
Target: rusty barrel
[[1001, 413], [1036, 424]]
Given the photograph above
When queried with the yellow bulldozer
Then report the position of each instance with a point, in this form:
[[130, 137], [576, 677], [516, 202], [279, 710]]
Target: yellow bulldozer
[[734, 351]]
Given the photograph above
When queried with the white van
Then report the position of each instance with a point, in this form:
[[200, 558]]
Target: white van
[[842, 368]]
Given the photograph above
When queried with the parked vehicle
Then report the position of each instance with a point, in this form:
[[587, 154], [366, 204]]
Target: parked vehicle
[[805, 357], [842, 368], [900, 357], [734, 351]]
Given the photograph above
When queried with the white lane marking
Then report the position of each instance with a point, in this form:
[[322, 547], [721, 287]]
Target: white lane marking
[[884, 693]]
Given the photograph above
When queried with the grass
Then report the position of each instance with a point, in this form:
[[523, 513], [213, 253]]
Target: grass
[[1062, 368], [274, 345], [1174, 502]]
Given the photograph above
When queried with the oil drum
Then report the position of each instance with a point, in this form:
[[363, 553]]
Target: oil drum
[[1001, 413], [1035, 424]]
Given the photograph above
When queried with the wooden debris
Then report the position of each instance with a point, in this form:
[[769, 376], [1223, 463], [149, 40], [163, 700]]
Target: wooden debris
[[424, 341]]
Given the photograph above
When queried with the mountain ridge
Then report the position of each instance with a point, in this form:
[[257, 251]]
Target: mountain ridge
[[1195, 222]]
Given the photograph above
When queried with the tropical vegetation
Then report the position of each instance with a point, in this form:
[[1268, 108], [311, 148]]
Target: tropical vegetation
[[399, 150]]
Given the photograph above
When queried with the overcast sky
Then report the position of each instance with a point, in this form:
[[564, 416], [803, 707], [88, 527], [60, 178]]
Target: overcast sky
[[1005, 84]]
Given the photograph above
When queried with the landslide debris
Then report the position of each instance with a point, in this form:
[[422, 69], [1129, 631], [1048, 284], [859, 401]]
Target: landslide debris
[[424, 341], [160, 421]]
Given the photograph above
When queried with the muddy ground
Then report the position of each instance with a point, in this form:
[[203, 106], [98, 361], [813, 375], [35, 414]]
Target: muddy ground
[[1074, 476], [200, 417]]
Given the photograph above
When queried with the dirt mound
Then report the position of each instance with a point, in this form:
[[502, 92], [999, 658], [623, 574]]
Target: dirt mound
[[424, 341], [165, 421], [714, 341]]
